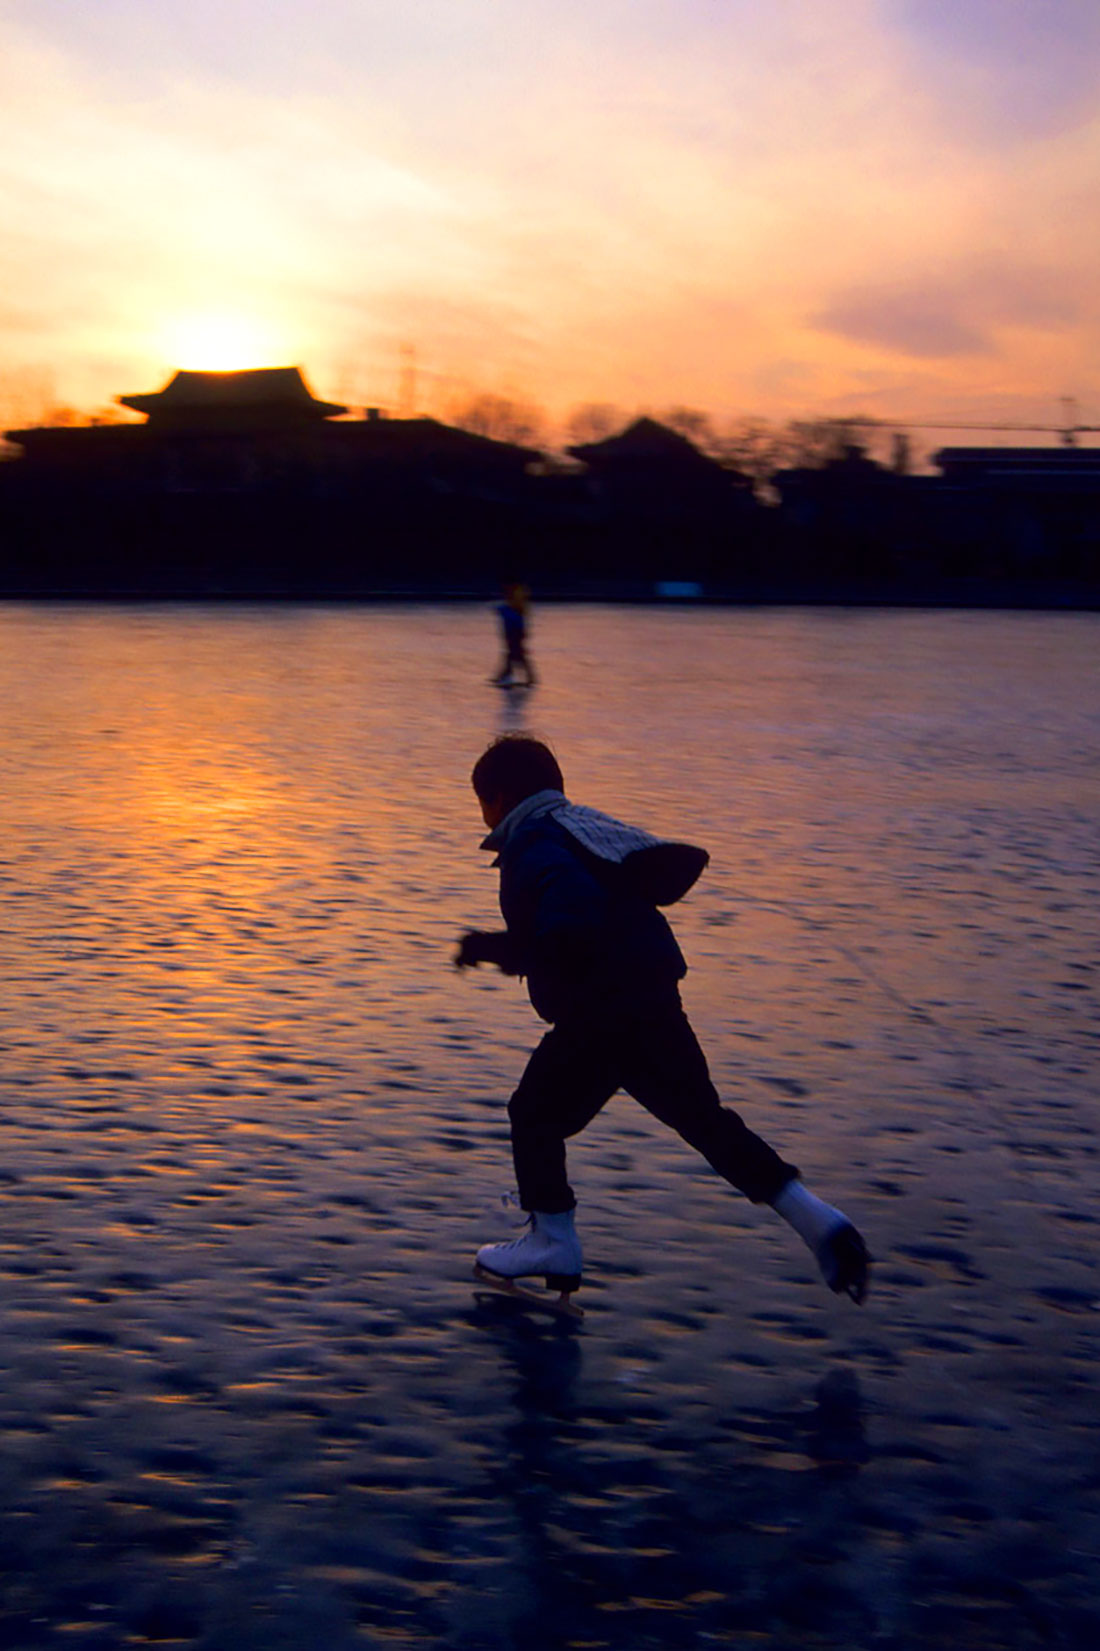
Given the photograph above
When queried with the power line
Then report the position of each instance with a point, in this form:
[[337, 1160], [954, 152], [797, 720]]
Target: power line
[[1069, 429]]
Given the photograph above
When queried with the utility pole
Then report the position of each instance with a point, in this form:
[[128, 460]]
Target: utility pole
[[1069, 421], [406, 393]]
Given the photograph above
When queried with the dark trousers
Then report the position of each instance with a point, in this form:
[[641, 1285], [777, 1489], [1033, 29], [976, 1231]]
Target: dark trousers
[[515, 656], [650, 1050]]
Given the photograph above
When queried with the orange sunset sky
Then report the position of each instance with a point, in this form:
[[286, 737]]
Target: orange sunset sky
[[796, 208]]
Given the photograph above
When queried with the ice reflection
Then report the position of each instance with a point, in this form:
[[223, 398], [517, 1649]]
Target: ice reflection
[[253, 1127]]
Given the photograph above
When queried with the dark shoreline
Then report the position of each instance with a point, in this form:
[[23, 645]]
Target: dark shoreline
[[962, 595]]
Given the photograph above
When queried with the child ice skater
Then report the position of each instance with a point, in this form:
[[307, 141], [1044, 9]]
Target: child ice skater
[[512, 613], [579, 893]]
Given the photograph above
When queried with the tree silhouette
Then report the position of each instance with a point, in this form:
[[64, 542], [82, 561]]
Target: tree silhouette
[[502, 418], [594, 421]]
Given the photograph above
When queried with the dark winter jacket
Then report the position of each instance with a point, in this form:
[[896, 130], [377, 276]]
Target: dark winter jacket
[[577, 929]]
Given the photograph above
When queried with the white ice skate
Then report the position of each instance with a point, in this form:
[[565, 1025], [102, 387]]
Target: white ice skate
[[549, 1249]]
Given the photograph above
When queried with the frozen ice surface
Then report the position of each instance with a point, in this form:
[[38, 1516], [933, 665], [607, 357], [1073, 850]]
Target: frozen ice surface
[[254, 1126]]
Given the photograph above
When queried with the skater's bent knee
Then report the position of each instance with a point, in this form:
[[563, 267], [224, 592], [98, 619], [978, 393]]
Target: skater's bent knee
[[520, 1108]]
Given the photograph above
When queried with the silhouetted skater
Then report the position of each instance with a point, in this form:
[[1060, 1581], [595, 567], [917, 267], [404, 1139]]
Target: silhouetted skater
[[579, 893], [512, 613]]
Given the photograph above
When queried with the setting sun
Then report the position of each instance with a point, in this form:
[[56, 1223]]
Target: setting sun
[[219, 343], [885, 215]]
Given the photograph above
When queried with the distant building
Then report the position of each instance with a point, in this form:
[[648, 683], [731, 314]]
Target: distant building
[[238, 481], [850, 519], [649, 466], [247, 484], [227, 432], [261, 398], [1022, 511], [1020, 468], [994, 516], [676, 511]]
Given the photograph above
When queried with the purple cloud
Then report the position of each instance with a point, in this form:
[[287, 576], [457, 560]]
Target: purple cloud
[[913, 322], [953, 317], [1005, 69]]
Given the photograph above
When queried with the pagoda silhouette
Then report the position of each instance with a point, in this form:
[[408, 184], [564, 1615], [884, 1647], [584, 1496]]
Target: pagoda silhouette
[[248, 483]]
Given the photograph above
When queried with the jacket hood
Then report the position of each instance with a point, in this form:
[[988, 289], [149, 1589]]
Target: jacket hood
[[655, 868]]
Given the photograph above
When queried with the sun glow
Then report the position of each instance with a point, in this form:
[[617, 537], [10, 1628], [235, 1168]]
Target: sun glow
[[220, 343]]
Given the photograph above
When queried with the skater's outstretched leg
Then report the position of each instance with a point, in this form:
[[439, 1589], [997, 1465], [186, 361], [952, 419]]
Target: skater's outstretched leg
[[669, 1076], [667, 1072]]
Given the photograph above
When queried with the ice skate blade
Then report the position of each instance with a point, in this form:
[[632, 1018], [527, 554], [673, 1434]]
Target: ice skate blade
[[546, 1301]]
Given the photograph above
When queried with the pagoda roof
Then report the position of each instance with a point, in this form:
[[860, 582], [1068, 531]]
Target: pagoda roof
[[645, 439], [423, 435], [259, 392]]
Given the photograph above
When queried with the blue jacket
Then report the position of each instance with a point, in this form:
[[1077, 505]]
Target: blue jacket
[[584, 941]]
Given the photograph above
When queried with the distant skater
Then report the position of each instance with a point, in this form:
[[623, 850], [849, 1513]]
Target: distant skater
[[513, 616], [579, 893]]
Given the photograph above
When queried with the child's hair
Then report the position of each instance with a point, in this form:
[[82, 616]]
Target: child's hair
[[515, 766]]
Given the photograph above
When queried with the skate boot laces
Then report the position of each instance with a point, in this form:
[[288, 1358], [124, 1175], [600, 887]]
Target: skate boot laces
[[512, 1211]]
